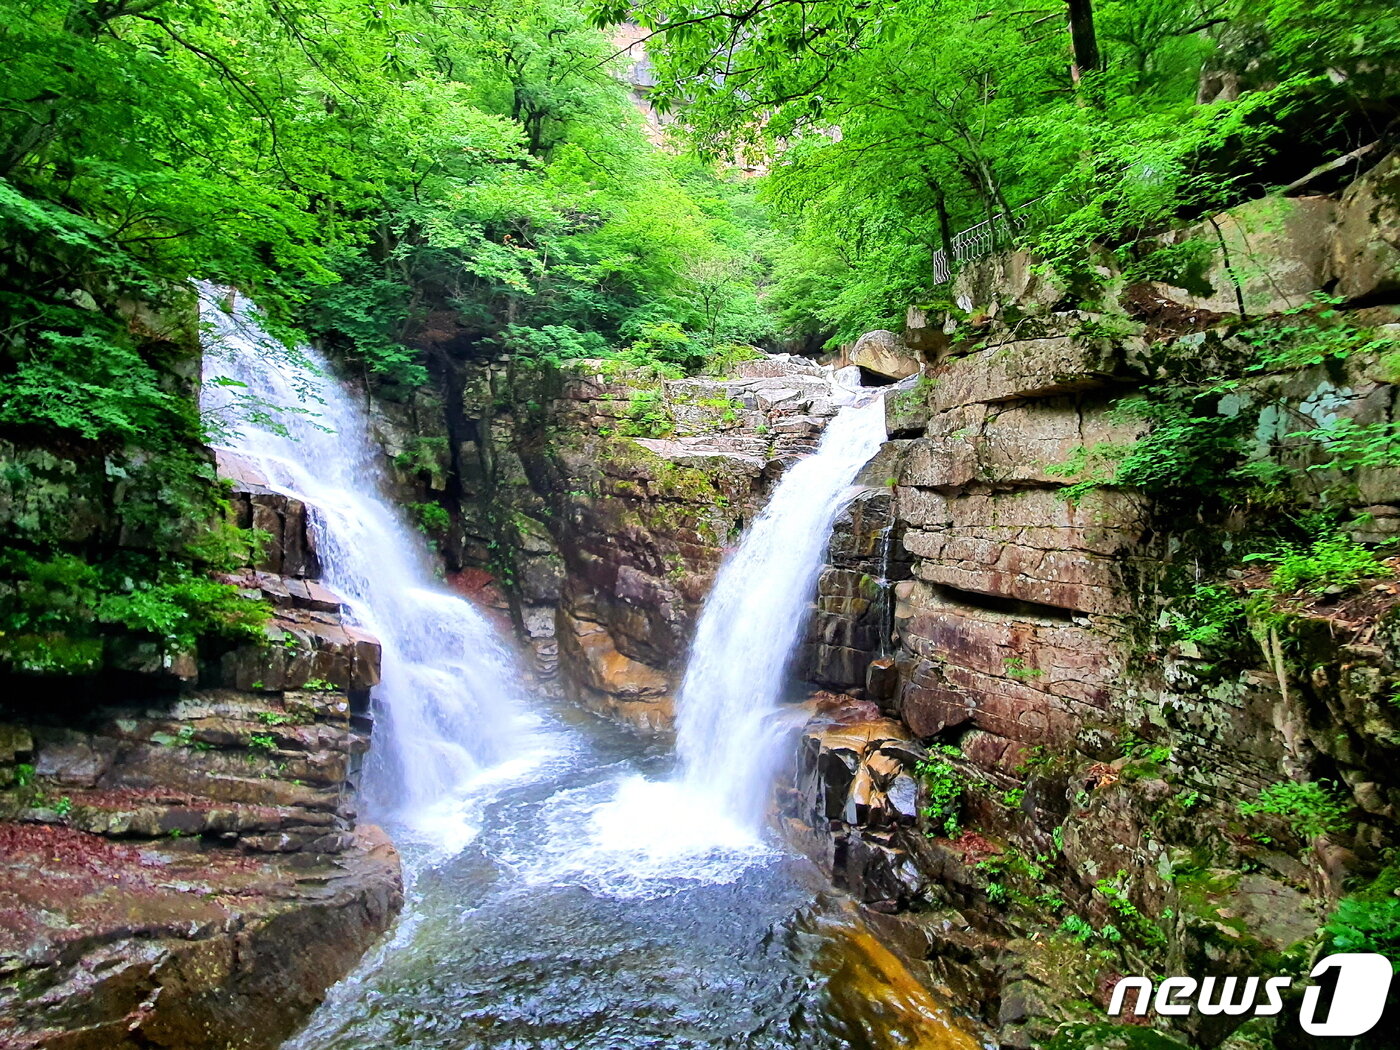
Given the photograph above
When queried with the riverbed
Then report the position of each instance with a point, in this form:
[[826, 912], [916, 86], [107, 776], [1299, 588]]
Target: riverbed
[[571, 901]]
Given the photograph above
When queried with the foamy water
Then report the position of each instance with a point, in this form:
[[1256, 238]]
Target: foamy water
[[447, 710], [729, 734]]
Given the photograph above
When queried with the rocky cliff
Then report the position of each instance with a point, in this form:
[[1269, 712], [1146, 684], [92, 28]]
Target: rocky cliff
[[182, 866], [1142, 745], [592, 504]]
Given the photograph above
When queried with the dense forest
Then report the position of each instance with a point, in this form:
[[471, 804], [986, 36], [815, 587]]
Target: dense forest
[[350, 166], [892, 127], [346, 167]]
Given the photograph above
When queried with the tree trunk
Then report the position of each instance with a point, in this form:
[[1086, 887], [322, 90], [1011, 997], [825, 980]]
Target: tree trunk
[[1082, 38], [945, 225]]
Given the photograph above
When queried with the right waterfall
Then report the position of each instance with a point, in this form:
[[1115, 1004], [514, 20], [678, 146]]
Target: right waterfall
[[728, 734]]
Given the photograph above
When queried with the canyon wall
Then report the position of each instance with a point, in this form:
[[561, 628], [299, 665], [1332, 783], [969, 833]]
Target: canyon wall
[[180, 863], [1039, 657], [592, 504]]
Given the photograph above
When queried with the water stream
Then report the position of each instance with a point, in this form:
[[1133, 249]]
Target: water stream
[[446, 707], [567, 890], [729, 737]]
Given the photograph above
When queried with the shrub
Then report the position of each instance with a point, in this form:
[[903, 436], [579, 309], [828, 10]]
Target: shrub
[[943, 786], [1369, 920], [1332, 561], [1211, 615], [724, 357], [1312, 808], [1308, 335], [1185, 451], [430, 518], [1354, 446], [552, 343], [647, 415]]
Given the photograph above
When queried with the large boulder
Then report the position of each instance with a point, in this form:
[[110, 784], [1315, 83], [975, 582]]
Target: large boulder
[[1270, 254], [1366, 245], [881, 352]]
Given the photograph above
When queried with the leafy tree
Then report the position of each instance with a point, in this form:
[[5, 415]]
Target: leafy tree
[[352, 167], [889, 127]]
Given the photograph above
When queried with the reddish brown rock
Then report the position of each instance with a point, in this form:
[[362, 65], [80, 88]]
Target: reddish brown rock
[[195, 949]]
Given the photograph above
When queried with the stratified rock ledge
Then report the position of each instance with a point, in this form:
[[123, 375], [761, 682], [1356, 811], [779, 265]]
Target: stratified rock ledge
[[105, 946]]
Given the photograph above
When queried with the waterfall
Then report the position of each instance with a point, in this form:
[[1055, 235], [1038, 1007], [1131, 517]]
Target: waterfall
[[728, 734], [446, 704]]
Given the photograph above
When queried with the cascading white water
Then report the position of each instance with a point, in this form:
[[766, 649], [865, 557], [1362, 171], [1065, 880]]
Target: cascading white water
[[728, 735], [446, 704]]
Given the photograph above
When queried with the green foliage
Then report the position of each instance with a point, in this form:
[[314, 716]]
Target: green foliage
[[647, 415], [1354, 446], [1088, 468], [1368, 920], [422, 454], [186, 738], [1334, 561], [1308, 335], [1144, 759], [1310, 808], [953, 112], [1115, 891], [1211, 615], [553, 344], [24, 775], [1081, 931], [264, 742], [1182, 265], [180, 608], [1361, 925], [1188, 450], [943, 789], [57, 613], [430, 518], [1016, 668], [666, 344], [724, 357], [1139, 750], [1182, 452]]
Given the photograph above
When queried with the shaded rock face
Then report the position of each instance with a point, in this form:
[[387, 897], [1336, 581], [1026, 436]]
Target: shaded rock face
[[849, 643], [182, 866], [1028, 630], [854, 789], [1365, 249], [601, 503], [1271, 255]]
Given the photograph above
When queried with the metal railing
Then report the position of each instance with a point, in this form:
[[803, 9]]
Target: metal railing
[[983, 239]]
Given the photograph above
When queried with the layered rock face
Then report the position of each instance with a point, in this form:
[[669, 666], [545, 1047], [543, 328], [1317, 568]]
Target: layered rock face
[[182, 866], [596, 504], [1028, 657]]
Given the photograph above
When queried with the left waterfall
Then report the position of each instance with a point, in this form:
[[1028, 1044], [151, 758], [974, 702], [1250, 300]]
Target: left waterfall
[[447, 702]]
